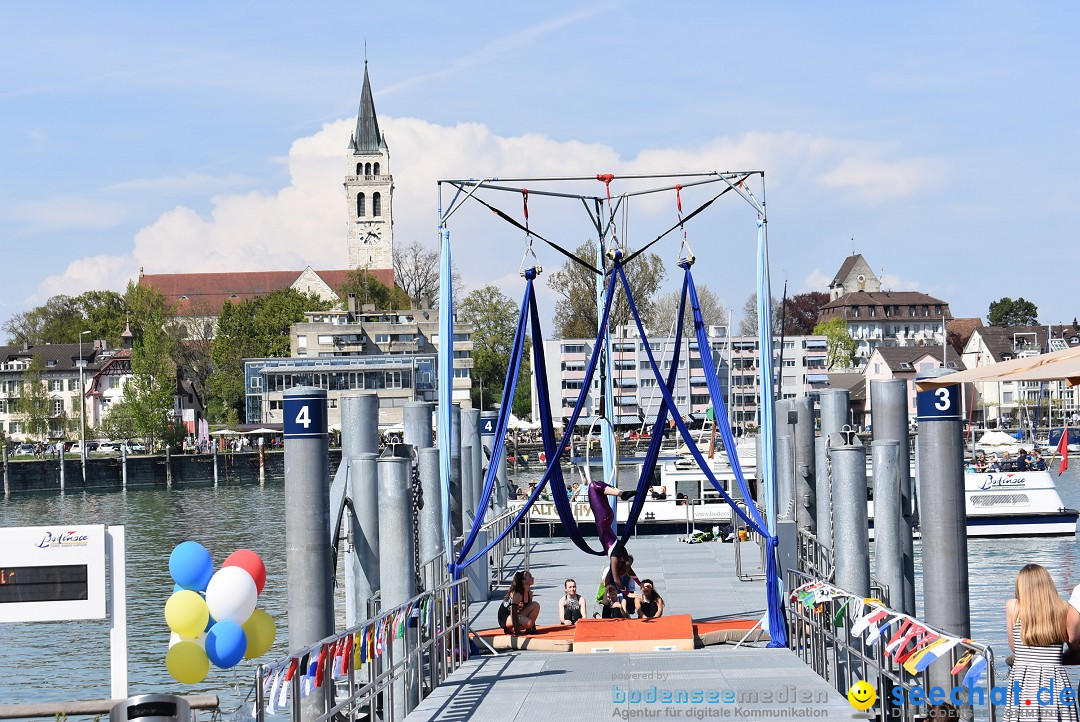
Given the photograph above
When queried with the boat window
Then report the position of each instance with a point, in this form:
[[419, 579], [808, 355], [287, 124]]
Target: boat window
[[1000, 500]]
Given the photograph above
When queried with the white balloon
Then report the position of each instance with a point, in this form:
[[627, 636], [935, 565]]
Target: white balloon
[[231, 595], [175, 639]]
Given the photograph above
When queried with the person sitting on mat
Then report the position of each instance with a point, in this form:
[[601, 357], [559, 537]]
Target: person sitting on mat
[[613, 604], [620, 573], [650, 605], [518, 611], [572, 604]]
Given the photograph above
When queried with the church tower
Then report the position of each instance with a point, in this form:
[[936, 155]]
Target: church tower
[[369, 189]]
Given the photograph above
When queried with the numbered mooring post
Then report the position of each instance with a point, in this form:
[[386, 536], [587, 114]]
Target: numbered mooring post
[[488, 422], [307, 525], [943, 515], [470, 438]]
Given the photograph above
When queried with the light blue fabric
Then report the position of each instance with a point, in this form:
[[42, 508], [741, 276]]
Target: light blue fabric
[[446, 383]]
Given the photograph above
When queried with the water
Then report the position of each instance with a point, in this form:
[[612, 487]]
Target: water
[[63, 661]]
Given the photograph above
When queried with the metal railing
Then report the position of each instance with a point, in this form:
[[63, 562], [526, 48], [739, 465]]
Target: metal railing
[[815, 557], [409, 651], [821, 635], [502, 566], [745, 535]]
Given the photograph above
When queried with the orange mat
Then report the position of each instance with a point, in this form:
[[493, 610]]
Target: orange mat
[[610, 634]]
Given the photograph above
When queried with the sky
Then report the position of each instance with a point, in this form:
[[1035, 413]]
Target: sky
[[939, 140]]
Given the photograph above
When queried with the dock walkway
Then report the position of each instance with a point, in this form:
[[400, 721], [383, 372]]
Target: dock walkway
[[714, 682]]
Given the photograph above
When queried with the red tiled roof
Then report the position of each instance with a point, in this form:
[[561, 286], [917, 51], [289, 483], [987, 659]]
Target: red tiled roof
[[204, 293]]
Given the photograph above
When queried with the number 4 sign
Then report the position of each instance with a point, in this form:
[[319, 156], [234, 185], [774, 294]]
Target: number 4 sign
[[304, 416]]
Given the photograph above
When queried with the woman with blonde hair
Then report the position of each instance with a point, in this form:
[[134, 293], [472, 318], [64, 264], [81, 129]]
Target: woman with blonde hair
[[1036, 625]]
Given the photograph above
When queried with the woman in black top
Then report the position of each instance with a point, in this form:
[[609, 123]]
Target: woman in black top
[[649, 604], [518, 607]]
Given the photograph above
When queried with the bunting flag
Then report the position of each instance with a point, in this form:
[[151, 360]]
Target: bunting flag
[[871, 622], [878, 632], [838, 618], [320, 666], [358, 649], [921, 641], [930, 654], [899, 638], [1063, 449], [346, 655], [961, 663], [978, 666], [275, 690]]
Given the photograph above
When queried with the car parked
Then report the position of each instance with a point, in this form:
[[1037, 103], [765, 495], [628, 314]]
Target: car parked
[[109, 447], [135, 447], [25, 450]]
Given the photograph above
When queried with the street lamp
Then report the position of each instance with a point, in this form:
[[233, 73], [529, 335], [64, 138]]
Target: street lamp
[[82, 405]]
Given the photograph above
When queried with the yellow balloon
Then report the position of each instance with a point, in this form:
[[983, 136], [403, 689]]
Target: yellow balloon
[[187, 662], [261, 632], [186, 613]]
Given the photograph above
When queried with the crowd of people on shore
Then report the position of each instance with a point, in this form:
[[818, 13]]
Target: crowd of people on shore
[[620, 595]]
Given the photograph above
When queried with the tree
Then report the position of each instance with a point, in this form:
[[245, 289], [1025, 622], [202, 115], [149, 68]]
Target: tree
[[120, 422], [748, 324], [494, 318], [801, 311], [713, 311], [840, 344], [417, 273], [149, 392], [252, 328], [34, 403], [370, 290], [1007, 312], [62, 318], [575, 311]]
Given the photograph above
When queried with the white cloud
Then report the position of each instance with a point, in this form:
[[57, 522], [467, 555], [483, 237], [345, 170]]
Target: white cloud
[[893, 282], [186, 183], [303, 223], [816, 281]]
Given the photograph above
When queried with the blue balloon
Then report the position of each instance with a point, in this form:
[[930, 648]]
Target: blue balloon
[[225, 644], [191, 566], [210, 622]]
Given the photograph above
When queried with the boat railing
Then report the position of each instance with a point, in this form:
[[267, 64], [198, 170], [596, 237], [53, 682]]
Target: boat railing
[[379, 669], [815, 557], [821, 635], [512, 551]]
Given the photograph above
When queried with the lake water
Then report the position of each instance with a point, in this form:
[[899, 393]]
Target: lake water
[[61, 661]]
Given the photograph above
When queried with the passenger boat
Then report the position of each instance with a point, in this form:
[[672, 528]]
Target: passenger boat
[[999, 504]]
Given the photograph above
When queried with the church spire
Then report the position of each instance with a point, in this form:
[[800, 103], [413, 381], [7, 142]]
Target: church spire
[[366, 138]]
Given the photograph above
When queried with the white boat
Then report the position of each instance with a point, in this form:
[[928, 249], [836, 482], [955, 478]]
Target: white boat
[[1001, 503]]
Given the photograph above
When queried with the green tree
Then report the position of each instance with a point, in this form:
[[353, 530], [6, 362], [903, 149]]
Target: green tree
[[370, 290], [120, 422], [149, 392], [840, 344], [494, 318], [575, 311], [62, 318], [1007, 312], [34, 405], [252, 328]]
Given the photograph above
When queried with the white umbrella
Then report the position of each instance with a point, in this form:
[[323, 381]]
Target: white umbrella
[[225, 432], [263, 431]]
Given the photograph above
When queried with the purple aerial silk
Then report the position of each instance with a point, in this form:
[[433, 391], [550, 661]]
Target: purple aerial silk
[[603, 514]]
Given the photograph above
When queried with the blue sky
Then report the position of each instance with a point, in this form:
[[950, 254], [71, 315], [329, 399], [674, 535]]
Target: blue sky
[[211, 136]]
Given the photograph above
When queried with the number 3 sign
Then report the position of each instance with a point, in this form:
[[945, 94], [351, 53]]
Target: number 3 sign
[[940, 404]]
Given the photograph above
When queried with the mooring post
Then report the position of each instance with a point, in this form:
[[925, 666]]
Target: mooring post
[[307, 525], [213, 447], [889, 418], [805, 465], [470, 439], [123, 463], [397, 570], [834, 416], [60, 454], [168, 466], [432, 543], [888, 522], [851, 535], [456, 522], [784, 469], [823, 494], [943, 515]]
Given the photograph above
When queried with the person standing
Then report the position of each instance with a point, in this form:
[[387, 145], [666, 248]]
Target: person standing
[[1037, 626]]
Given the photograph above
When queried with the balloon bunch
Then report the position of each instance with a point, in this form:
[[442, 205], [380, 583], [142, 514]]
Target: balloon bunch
[[212, 615]]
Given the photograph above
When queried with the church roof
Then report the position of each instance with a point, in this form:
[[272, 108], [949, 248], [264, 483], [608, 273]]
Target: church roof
[[205, 293], [845, 269], [366, 138]]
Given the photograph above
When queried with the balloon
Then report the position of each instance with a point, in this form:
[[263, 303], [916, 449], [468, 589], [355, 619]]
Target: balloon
[[187, 662], [175, 639], [231, 595], [225, 644], [191, 566], [186, 613], [261, 632], [250, 562]]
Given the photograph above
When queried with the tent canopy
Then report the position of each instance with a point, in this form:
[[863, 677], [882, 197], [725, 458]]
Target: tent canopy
[[1061, 365], [262, 431], [225, 432], [997, 438]]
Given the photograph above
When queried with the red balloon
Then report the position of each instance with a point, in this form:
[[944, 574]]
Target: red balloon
[[251, 563]]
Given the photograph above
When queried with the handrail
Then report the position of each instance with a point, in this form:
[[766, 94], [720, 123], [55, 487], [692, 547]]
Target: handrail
[[739, 529], [821, 635], [500, 553], [430, 634]]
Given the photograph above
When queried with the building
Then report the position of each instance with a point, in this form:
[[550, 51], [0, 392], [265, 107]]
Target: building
[[60, 376], [1009, 403], [393, 353], [369, 189], [637, 398], [889, 318], [854, 275], [904, 362]]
